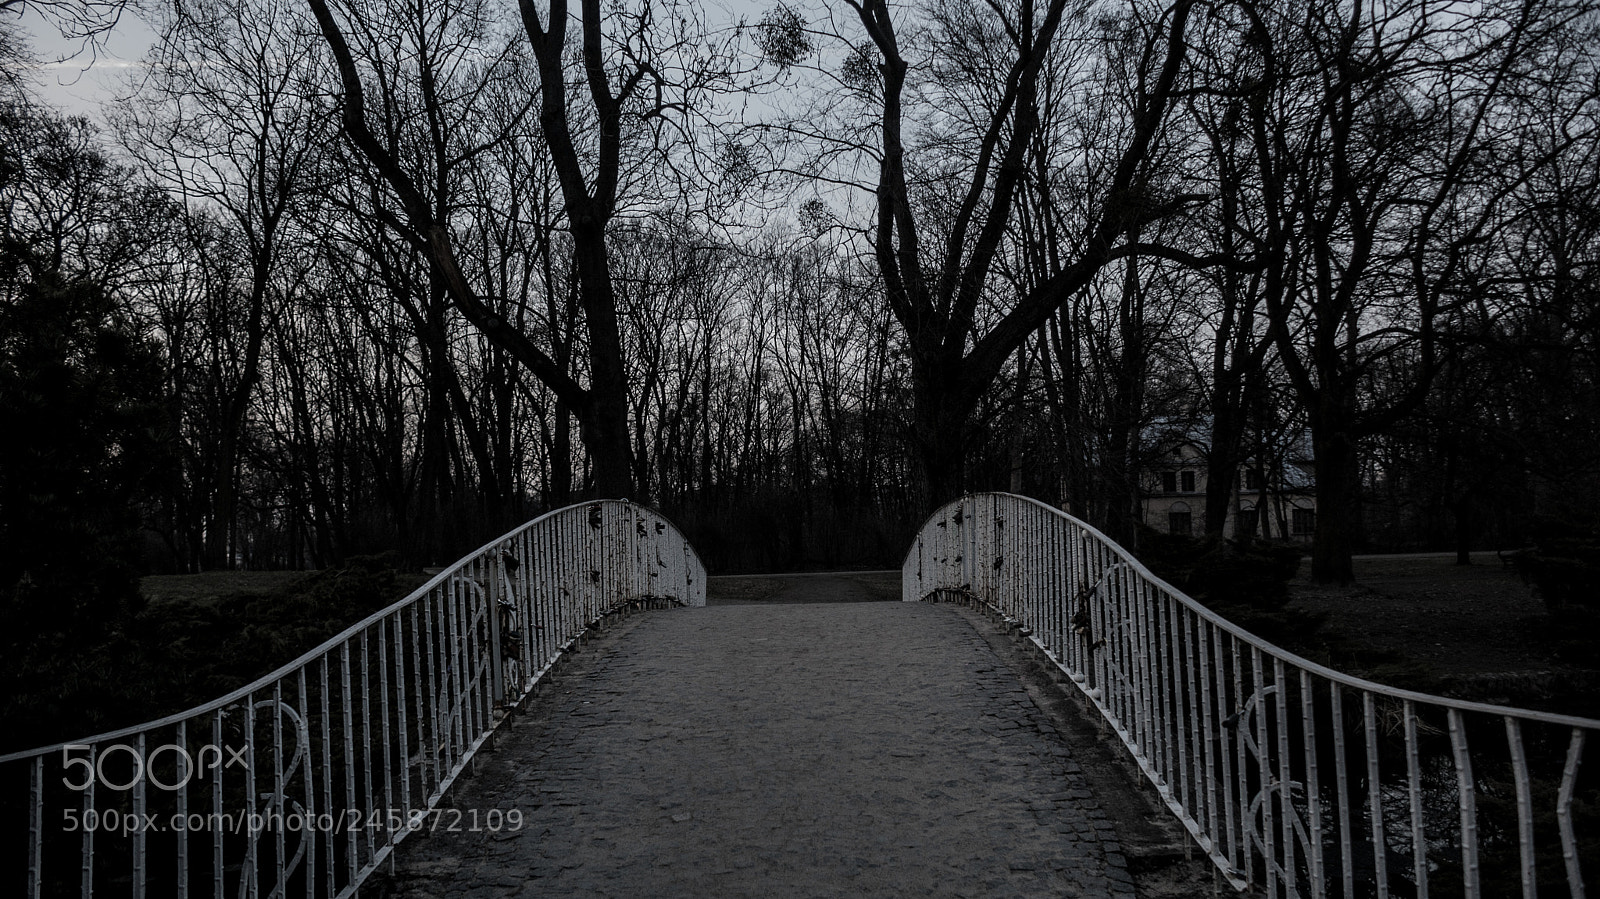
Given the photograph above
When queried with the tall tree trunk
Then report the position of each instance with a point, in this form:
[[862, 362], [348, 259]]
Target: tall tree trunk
[[1338, 513], [605, 422], [940, 422], [222, 533]]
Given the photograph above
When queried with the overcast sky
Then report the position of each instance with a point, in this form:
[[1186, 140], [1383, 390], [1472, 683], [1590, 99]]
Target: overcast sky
[[76, 78]]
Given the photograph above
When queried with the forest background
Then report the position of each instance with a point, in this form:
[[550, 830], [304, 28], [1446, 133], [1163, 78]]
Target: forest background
[[338, 277]]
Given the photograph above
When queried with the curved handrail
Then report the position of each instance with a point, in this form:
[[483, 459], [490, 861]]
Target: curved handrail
[[375, 724], [1232, 730]]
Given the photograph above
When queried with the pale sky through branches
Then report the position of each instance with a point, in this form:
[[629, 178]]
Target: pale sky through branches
[[76, 77]]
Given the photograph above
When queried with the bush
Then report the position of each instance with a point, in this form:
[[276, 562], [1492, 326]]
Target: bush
[[1564, 568], [1565, 563]]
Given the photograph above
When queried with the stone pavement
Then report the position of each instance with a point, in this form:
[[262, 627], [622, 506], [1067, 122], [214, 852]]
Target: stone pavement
[[779, 750]]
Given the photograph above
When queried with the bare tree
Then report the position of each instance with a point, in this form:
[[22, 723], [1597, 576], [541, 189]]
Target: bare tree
[[955, 121], [225, 122], [601, 125], [1374, 131]]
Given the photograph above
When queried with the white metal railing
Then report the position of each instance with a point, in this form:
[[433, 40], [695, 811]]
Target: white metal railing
[[303, 782], [1292, 777]]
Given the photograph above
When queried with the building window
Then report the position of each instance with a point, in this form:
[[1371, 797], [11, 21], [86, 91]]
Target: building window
[[1169, 482], [1252, 479], [1303, 522], [1244, 527], [1188, 481], [1178, 520]]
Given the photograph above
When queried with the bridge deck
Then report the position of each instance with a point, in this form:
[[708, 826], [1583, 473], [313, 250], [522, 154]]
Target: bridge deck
[[779, 750]]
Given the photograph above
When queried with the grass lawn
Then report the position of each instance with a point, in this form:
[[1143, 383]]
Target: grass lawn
[[209, 586]]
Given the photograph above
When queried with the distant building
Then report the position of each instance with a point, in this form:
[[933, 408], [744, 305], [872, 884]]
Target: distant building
[[1273, 498]]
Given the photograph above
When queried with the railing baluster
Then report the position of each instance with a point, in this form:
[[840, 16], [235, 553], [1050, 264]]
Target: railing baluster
[[1194, 732], [1200, 730], [1224, 761], [1176, 681], [1247, 816], [251, 872], [402, 703], [87, 882], [36, 829], [1342, 786], [1308, 736], [311, 835], [454, 682], [1143, 659], [1264, 773], [1214, 698], [436, 739], [1380, 844], [386, 737], [325, 718], [1569, 781], [277, 806], [1519, 773], [421, 664], [216, 808], [348, 730], [1419, 840], [1164, 662], [1467, 792], [140, 861], [367, 830], [1286, 811]]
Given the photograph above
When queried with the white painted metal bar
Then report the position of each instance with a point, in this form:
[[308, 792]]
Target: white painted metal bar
[[1468, 792], [1249, 831], [1208, 711], [1287, 816], [216, 807], [1519, 769], [86, 882], [36, 827], [325, 700], [279, 838], [1569, 841], [1341, 768], [1316, 861], [302, 700], [250, 873], [1419, 839], [141, 862], [1222, 734], [363, 735], [1264, 775]]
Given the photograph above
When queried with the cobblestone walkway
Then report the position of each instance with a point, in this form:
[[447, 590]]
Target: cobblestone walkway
[[779, 750]]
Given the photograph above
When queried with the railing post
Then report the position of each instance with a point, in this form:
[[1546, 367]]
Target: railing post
[[495, 569]]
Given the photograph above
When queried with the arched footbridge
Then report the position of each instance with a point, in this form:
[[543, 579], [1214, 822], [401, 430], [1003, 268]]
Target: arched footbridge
[[803, 749]]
